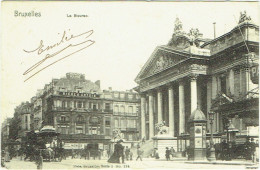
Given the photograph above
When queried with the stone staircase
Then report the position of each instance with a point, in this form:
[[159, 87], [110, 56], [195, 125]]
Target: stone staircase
[[147, 147]]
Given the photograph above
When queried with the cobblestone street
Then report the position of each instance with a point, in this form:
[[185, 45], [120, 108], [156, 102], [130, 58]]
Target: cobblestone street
[[145, 164]]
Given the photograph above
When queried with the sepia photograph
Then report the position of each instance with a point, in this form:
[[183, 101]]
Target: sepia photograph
[[129, 85]]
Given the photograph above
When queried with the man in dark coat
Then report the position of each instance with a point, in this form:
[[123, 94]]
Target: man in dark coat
[[167, 154], [127, 151]]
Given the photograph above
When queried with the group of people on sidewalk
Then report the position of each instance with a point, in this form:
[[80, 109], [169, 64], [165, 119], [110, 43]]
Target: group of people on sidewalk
[[120, 153]]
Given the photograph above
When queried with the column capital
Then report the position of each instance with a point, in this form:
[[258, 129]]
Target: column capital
[[150, 92], [193, 77], [143, 94], [159, 89], [180, 81], [209, 78], [170, 85]]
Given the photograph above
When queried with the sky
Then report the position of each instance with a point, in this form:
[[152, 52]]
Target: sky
[[125, 35]]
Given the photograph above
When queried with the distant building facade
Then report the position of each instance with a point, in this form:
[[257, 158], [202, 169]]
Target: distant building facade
[[5, 132], [126, 115], [84, 115]]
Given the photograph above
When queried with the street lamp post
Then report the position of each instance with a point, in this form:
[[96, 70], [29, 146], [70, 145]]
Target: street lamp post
[[212, 156]]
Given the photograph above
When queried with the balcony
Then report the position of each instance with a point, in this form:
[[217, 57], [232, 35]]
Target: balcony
[[108, 110], [83, 136], [63, 122], [61, 108], [128, 129]]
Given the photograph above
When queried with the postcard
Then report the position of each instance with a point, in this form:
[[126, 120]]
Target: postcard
[[129, 85]]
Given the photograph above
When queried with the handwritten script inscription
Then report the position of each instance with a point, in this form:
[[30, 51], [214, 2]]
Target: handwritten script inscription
[[68, 43]]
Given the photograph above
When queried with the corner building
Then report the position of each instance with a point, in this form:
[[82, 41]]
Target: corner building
[[81, 112], [190, 72]]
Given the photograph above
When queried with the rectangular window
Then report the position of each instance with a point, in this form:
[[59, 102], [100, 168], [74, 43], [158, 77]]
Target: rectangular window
[[26, 119], [130, 137], [107, 106], [116, 95], [130, 96], [63, 104], [63, 130], [116, 123], [116, 109], [93, 130], [107, 122], [80, 104], [123, 123], [130, 110], [107, 133], [223, 84], [122, 95], [94, 107], [79, 129], [62, 118]]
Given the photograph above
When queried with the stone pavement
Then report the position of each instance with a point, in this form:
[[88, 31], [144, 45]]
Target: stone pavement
[[147, 163]]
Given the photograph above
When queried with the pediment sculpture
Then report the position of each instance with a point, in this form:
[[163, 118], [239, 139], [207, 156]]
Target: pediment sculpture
[[164, 62]]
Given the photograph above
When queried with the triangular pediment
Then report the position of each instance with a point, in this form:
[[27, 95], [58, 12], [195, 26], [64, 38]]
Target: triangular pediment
[[161, 59]]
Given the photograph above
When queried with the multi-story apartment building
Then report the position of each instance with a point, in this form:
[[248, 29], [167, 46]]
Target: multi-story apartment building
[[83, 114], [5, 132], [126, 116], [37, 118]]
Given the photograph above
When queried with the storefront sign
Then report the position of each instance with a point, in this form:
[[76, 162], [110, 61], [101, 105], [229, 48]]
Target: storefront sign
[[74, 145]]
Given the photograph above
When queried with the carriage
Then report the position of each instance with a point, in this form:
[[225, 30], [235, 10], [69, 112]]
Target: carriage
[[52, 148], [49, 144]]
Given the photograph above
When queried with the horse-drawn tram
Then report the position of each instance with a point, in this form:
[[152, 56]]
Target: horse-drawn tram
[[50, 144]]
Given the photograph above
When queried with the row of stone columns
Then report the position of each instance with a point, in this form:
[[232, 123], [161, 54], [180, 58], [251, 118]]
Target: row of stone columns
[[193, 88]]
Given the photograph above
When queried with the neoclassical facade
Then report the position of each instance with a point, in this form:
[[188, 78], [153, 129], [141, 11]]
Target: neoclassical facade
[[213, 75]]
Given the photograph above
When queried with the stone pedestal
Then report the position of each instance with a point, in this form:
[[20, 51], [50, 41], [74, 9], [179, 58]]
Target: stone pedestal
[[163, 141]]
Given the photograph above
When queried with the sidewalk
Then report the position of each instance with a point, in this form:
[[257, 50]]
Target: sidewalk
[[218, 162]]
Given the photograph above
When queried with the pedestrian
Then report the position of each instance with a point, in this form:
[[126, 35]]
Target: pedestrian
[[247, 149], [118, 153], [39, 160], [224, 150], [253, 149], [172, 152], [139, 153], [131, 155], [127, 151], [7, 156], [143, 140], [156, 154], [72, 154], [167, 154]]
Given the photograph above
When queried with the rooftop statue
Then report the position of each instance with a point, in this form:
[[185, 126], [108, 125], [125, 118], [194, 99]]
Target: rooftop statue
[[243, 17], [194, 34], [178, 26]]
